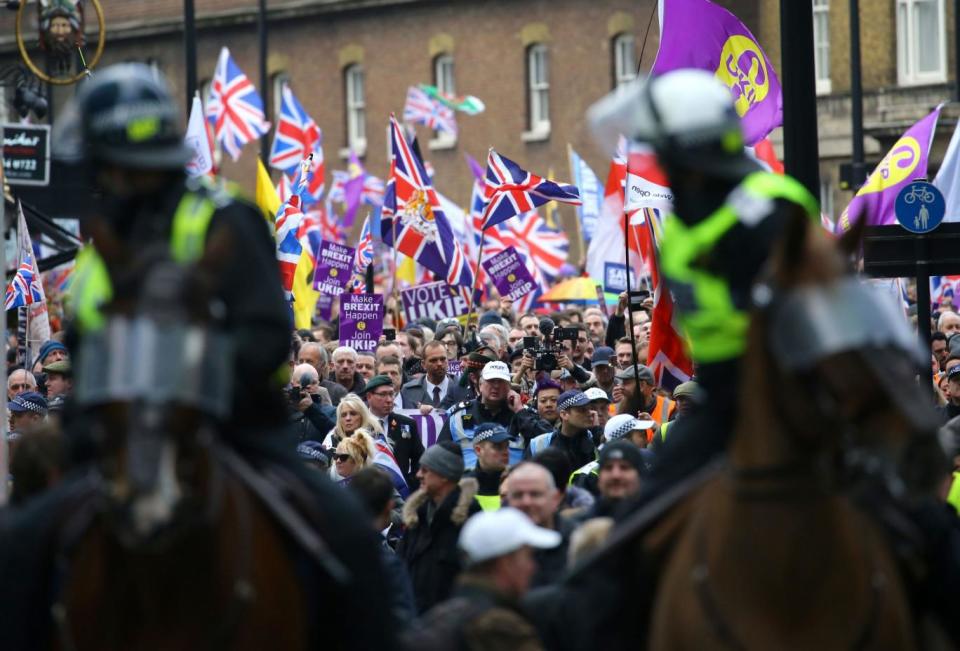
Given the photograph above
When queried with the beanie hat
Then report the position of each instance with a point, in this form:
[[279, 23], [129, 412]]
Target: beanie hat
[[624, 451], [445, 459], [48, 347]]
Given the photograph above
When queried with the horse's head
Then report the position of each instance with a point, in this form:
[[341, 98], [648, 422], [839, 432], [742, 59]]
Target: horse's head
[[831, 364], [155, 381]]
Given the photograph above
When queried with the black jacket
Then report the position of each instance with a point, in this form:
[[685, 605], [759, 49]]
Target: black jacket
[[552, 563], [356, 387], [404, 437], [313, 423], [414, 392], [430, 549]]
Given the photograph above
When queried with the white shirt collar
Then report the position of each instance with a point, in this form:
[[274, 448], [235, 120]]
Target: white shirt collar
[[443, 385]]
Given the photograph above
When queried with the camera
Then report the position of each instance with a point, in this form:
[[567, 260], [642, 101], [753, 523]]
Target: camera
[[390, 334], [637, 298], [545, 351], [294, 394]]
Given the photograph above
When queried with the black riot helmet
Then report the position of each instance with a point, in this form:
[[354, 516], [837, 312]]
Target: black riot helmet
[[123, 115]]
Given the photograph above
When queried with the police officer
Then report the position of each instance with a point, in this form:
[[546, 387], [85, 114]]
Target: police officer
[[491, 444], [122, 127], [497, 403], [573, 436]]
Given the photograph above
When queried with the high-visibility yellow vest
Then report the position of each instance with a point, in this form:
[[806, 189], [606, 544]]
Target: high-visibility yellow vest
[[91, 287], [488, 502], [953, 497], [713, 326]]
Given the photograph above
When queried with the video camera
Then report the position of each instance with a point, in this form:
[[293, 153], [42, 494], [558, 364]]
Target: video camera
[[545, 351]]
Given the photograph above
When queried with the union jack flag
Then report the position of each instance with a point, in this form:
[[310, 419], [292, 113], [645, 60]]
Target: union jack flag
[[296, 137], [288, 222], [373, 189], [385, 460], [530, 234], [411, 207], [234, 108], [26, 287], [362, 257], [512, 191], [422, 109]]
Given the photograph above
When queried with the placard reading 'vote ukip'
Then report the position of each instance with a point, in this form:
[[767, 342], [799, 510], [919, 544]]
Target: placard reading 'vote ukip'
[[509, 275], [334, 264], [433, 300], [361, 320]]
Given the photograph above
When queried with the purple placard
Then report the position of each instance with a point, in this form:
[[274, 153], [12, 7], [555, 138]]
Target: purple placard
[[325, 307], [454, 366], [433, 300], [334, 264], [509, 275], [361, 320]]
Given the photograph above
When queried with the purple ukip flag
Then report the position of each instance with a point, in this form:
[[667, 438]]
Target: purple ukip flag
[[904, 163], [334, 266], [699, 34], [509, 274], [361, 320]]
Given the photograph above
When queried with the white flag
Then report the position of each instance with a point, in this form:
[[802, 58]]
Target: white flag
[[948, 178], [198, 140]]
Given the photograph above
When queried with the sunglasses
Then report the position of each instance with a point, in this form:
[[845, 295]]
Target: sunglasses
[[341, 458]]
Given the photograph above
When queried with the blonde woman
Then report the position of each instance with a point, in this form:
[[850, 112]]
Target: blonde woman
[[352, 415], [354, 453]]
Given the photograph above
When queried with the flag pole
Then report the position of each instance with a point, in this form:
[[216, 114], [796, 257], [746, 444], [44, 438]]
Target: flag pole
[[583, 253], [629, 319], [476, 279]]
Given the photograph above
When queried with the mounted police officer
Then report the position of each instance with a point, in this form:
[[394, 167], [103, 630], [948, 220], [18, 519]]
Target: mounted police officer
[[122, 127], [497, 403]]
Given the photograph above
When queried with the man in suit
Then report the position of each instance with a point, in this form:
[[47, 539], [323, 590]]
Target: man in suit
[[435, 384], [401, 431]]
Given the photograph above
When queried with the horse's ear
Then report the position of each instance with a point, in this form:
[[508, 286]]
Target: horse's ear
[[850, 242], [794, 240]]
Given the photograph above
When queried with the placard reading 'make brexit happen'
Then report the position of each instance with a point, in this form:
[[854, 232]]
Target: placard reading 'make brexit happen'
[[361, 320], [334, 264], [509, 275]]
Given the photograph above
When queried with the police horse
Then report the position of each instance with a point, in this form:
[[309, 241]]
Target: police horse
[[786, 543], [174, 540]]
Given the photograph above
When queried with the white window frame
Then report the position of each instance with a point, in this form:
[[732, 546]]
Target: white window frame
[[624, 71], [908, 46], [821, 10], [276, 90], [355, 105], [826, 198], [538, 93], [445, 81]]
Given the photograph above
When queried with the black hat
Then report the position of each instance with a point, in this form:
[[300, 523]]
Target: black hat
[[493, 432], [621, 449], [375, 382]]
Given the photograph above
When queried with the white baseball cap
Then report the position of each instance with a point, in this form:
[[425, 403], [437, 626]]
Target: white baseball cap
[[495, 371], [622, 424], [491, 534], [595, 393]]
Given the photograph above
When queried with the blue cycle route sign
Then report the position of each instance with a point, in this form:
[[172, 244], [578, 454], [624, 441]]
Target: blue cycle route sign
[[920, 207]]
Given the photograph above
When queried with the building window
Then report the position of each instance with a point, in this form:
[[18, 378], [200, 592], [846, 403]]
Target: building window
[[443, 80], [538, 92], [356, 109], [277, 82], [921, 42], [821, 44], [624, 60]]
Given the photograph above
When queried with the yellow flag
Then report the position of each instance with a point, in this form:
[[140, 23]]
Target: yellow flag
[[267, 199], [305, 297], [406, 270]]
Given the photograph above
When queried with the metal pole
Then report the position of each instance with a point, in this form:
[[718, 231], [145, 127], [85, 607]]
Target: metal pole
[[956, 47], [856, 95], [264, 81], [798, 80], [923, 309], [190, 50]]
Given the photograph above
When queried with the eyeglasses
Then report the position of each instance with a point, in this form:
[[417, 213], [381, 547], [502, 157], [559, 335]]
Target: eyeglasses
[[341, 458], [17, 387]]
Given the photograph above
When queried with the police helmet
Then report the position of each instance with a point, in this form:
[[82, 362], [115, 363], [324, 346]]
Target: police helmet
[[687, 115], [124, 115]]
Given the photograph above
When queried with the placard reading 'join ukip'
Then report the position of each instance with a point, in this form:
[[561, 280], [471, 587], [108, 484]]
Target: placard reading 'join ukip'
[[361, 320], [509, 275], [334, 264]]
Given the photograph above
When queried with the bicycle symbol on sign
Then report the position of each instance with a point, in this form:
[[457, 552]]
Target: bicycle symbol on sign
[[918, 193]]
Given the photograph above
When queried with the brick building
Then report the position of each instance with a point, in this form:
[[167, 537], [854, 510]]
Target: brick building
[[537, 64]]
